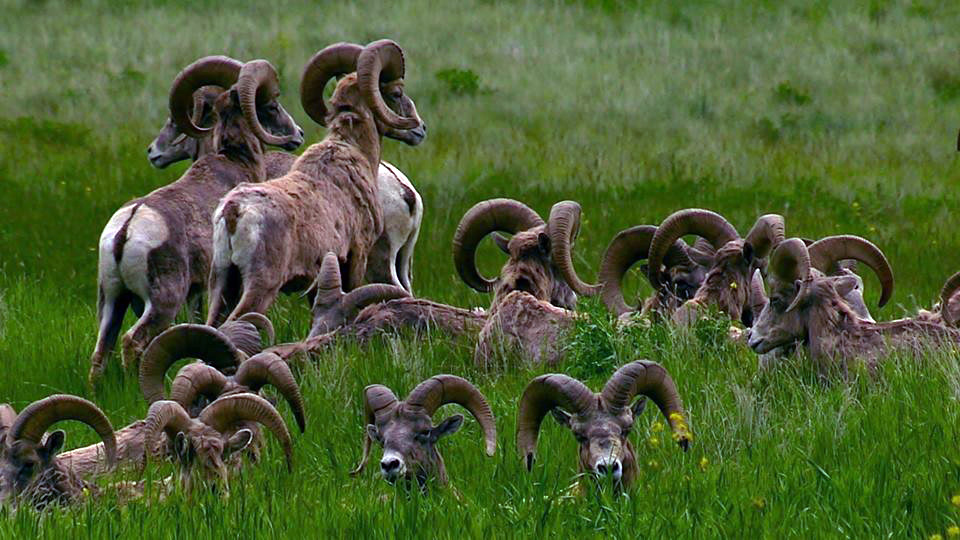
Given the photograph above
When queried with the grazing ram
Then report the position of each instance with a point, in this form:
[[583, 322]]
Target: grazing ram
[[155, 252], [405, 430], [601, 423], [273, 236], [391, 260], [807, 308]]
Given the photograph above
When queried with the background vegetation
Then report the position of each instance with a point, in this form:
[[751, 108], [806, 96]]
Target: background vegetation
[[839, 115]]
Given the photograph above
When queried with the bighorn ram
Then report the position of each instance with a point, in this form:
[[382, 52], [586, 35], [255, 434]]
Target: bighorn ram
[[538, 285], [949, 298], [32, 469], [601, 423], [727, 280], [807, 307], [392, 258], [210, 440], [155, 252], [406, 432], [274, 235]]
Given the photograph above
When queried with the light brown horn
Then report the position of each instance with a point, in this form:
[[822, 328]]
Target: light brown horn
[[826, 252], [166, 416], [219, 71], [7, 416], [790, 262], [758, 294], [33, 422], [382, 61], [184, 341], [705, 223], [378, 402], [649, 379], [626, 249], [359, 298], [333, 61], [767, 232], [223, 414], [258, 84], [439, 390], [262, 323], [194, 380], [494, 215], [541, 395], [329, 285], [563, 227], [946, 293], [268, 368]]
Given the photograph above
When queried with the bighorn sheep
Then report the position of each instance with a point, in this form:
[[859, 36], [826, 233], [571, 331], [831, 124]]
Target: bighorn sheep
[[32, 469], [155, 252], [210, 440], [808, 308], [601, 423], [406, 432], [274, 235], [391, 260], [948, 297], [538, 285]]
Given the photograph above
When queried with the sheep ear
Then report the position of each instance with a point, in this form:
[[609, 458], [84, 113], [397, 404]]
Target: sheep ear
[[639, 406], [544, 241], [748, 252], [373, 432], [238, 441], [502, 242], [447, 427], [562, 417], [53, 444]]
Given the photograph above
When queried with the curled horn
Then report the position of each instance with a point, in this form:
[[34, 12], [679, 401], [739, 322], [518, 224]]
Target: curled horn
[[541, 395], [329, 285], [626, 248], [709, 225], [223, 414], [563, 226], [268, 368], [195, 380], [382, 61], [257, 84], [494, 215], [262, 323], [826, 252], [758, 295], [946, 293], [33, 422], [790, 262], [184, 341], [167, 416], [357, 299], [649, 379], [332, 61], [219, 71], [439, 390], [767, 232], [378, 402]]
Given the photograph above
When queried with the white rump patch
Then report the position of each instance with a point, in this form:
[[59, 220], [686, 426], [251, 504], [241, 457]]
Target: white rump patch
[[146, 232]]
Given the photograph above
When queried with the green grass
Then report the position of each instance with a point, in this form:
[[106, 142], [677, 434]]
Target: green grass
[[842, 116]]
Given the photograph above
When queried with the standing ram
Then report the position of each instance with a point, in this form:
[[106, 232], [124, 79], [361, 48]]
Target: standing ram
[[273, 236], [155, 252]]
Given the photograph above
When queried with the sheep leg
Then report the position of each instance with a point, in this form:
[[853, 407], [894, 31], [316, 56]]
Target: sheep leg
[[257, 297], [223, 294], [110, 312], [404, 261], [159, 314]]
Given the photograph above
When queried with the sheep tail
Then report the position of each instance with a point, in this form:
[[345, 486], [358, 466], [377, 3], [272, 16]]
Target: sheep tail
[[231, 215], [121, 238]]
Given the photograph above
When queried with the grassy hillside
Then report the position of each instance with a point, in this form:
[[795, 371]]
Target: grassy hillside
[[842, 116]]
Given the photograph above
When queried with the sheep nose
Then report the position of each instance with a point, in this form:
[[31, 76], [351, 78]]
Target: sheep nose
[[608, 468], [390, 465]]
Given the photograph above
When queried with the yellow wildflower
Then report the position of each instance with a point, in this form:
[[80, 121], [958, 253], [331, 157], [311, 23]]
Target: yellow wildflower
[[733, 284], [703, 463], [676, 417], [955, 500], [855, 204], [759, 503], [953, 531], [936, 536], [653, 464], [654, 441], [657, 427]]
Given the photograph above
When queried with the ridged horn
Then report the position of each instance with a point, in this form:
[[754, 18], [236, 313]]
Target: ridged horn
[[378, 402], [359, 298], [268, 368], [946, 293], [219, 71], [184, 341], [382, 61], [790, 262], [164, 416], [710, 225], [541, 395], [758, 294], [262, 323], [563, 227], [33, 421], [195, 380], [494, 215], [826, 252], [329, 285], [258, 84], [439, 390], [766, 233], [650, 379], [332, 61], [224, 413]]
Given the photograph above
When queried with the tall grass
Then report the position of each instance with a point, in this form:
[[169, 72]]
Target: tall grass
[[839, 115]]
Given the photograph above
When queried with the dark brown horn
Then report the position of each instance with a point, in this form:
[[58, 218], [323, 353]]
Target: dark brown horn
[[223, 414], [439, 390], [494, 215], [709, 225], [790, 262], [649, 379], [258, 84], [219, 71], [33, 422], [357, 299], [758, 295], [268, 368], [382, 61], [563, 226], [378, 402], [541, 395], [184, 341], [626, 249], [166, 416], [826, 252], [333, 61], [194, 380], [946, 293], [329, 285], [767, 232], [262, 323]]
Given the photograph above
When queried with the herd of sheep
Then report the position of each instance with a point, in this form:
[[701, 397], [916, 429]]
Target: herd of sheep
[[339, 225]]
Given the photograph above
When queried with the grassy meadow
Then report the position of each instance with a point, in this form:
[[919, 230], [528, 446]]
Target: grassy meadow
[[840, 115]]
